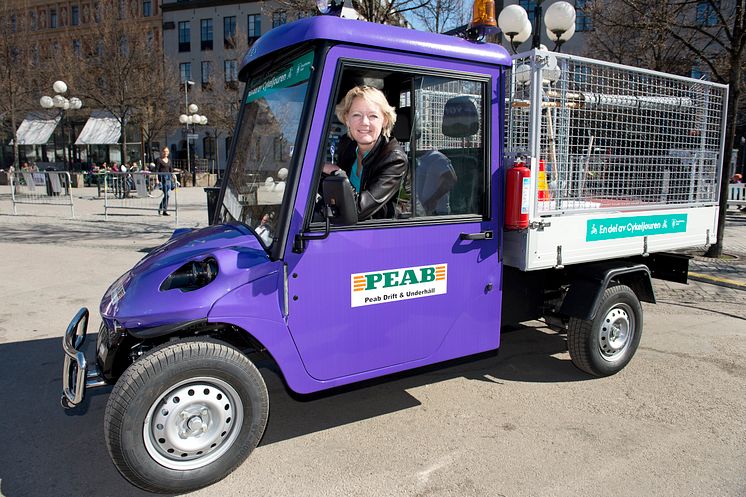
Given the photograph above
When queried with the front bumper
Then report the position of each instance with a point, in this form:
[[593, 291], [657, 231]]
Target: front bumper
[[77, 374]]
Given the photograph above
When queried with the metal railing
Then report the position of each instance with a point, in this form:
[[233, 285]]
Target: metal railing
[[198, 166], [142, 191], [614, 137], [41, 188], [737, 194]]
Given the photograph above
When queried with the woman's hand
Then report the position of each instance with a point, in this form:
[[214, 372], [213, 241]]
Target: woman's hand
[[330, 168]]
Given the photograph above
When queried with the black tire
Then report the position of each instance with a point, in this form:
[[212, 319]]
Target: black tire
[[604, 345], [205, 400]]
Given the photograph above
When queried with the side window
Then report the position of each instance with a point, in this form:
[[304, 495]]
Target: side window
[[449, 166], [439, 126]]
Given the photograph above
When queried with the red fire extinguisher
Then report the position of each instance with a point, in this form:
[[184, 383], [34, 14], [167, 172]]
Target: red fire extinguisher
[[517, 188]]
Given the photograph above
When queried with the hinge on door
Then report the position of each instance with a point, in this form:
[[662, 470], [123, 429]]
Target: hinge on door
[[539, 225]]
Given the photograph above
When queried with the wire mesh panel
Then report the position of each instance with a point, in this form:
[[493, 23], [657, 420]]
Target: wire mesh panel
[[42, 188], [614, 137]]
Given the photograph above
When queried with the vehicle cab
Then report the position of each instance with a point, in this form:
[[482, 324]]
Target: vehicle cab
[[447, 93]]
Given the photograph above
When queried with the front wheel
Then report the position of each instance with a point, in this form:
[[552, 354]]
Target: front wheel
[[604, 345], [185, 416]]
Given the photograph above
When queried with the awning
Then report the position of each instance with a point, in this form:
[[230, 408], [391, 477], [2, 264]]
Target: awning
[[36, 129], [102, 128]]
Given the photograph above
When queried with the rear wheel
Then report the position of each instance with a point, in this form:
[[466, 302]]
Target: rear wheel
[[185, 416], [604, 345]]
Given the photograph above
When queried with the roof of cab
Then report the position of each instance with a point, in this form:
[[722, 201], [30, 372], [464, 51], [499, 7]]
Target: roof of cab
[[350, 31]]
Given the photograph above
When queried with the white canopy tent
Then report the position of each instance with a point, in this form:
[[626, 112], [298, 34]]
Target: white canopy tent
[[36, 128], [102, 128]]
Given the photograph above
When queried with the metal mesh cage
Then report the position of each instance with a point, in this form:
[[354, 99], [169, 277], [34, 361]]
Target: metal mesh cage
[[614, 137]]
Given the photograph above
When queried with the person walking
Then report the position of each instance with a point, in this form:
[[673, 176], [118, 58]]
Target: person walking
[[164, 168]]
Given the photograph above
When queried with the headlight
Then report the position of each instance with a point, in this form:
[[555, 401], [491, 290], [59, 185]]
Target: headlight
[[192, 276]]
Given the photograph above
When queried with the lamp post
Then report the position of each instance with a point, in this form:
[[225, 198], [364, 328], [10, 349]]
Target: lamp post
[[62, 103], [190, 117], [559, 21]]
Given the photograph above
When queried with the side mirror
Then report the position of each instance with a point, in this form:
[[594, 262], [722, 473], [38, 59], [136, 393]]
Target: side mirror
[[339, 199]]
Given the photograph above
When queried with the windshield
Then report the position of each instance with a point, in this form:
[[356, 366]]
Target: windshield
[[255, 182]]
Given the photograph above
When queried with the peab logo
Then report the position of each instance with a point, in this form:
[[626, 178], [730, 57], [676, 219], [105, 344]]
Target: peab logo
[[391, 285]]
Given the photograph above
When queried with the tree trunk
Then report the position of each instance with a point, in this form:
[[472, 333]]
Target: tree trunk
[[734, 93]]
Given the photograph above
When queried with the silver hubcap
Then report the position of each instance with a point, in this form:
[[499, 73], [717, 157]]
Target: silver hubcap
[[193, 423], [616, 333]]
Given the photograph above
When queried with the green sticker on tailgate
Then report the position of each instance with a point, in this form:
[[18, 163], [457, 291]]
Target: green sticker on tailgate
[[627, 227]]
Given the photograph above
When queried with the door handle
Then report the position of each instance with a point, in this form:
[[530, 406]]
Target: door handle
[[484, 235]]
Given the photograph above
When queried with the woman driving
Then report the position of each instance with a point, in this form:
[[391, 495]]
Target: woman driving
[[374, 163]]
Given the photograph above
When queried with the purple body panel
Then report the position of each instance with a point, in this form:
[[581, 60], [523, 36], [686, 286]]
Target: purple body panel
[[391, 38], [240, 257]]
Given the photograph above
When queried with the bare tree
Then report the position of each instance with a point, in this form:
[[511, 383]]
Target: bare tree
[[378, 11], [156, 113], [120, 69], [439, 16], [673, 36], [18, 74]]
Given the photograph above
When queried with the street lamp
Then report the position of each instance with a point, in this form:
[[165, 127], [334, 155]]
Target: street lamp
[[62, 103], [190, 117], [559, 21]]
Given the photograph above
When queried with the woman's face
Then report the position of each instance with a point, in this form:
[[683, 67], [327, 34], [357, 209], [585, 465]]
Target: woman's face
[[364, 121], [165, 152]]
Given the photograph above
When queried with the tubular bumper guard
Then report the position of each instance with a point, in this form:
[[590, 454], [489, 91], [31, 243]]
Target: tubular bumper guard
[[77, 374]]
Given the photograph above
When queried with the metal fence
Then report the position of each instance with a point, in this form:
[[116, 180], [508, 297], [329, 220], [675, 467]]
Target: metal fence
[[41, 188], [199, 166], [737, 194], [141, 191], [612, 136]]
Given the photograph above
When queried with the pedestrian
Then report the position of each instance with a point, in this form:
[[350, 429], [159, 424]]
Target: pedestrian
[[164, 168]]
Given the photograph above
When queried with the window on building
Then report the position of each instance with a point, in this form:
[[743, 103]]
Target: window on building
[[698, 73], [231, 71], [13, 23], [254, 27], [97, 12], [583, 20], [147, 8], [206, 74], [32, 20], [706, 15], [149, 40], [52, 18], [205, 30], [529, 5], [76, 48], [185, 34], [279, 18], [229, 32], [208, 147], [185, 71], [74, 15]]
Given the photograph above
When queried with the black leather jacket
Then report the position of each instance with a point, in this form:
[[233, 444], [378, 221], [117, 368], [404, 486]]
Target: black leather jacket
[[384, 169]]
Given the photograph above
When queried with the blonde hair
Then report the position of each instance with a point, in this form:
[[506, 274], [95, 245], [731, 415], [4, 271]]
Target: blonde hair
[[373, 96]]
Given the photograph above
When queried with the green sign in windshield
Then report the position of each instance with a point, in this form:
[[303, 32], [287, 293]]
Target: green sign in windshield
[[295, 72]]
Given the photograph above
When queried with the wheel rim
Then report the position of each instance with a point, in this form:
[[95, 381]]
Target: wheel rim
[[194, 423], [616, 332]]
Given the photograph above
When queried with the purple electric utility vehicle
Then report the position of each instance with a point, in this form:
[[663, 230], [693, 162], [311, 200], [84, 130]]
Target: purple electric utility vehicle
[[287, 271]]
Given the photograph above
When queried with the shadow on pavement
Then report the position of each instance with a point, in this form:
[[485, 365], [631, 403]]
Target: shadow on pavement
[[47, 451]]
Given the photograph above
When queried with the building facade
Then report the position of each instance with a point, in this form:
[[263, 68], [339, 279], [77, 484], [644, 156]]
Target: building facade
[[47, 26], [205, 40]]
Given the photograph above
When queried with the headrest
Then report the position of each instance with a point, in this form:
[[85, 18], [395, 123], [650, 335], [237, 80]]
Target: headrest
[[460, 117], [403, 127]]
